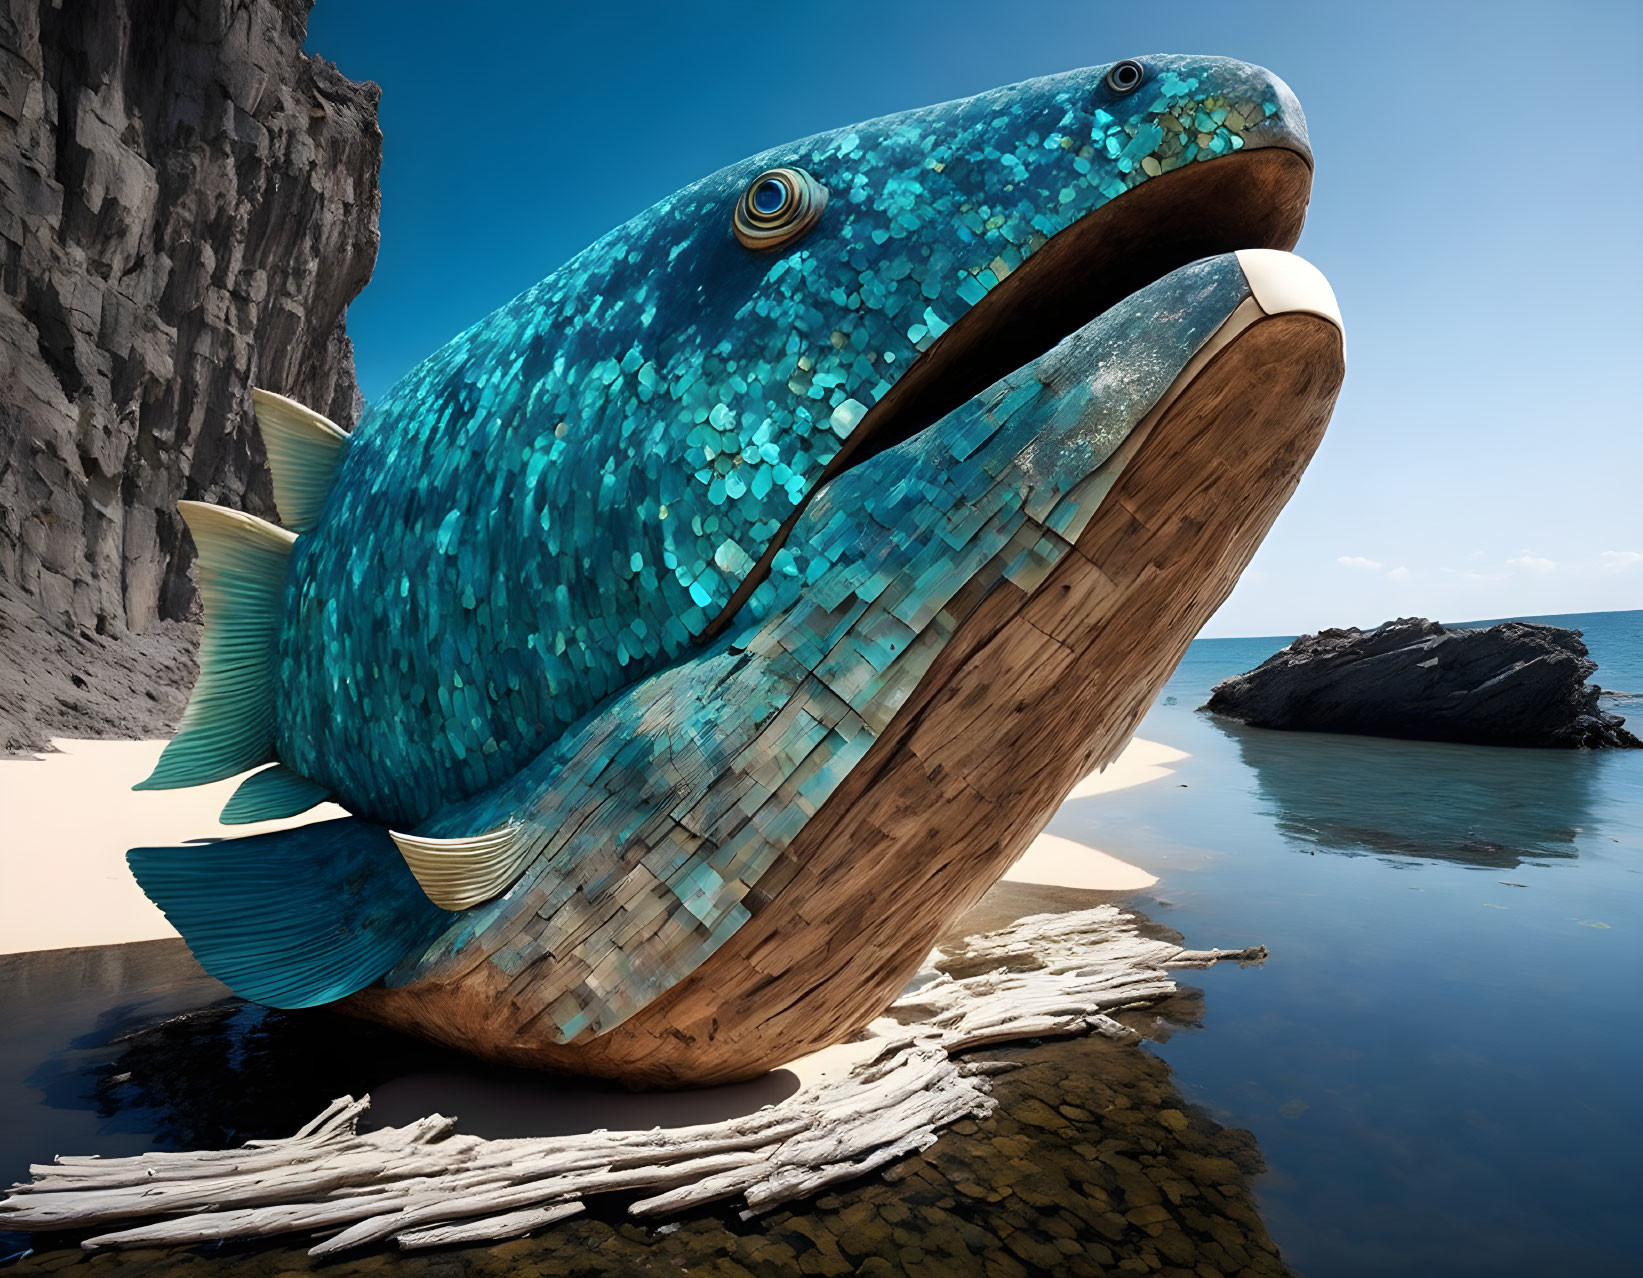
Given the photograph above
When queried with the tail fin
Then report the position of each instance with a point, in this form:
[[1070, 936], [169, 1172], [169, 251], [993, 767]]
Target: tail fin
[[295, 918], [229, 724], [304, 451]]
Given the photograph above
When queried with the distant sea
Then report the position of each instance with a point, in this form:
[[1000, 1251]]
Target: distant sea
[[1443, 1058]]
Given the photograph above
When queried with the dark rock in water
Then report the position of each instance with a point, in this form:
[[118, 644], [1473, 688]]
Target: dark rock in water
[[1517, 683], [188, 203]]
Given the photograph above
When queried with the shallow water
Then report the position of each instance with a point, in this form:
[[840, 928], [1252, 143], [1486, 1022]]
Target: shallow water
[[1441, 1060], [1092, 1159]]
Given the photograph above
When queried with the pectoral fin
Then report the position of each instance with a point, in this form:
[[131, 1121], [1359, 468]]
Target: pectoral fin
[[458, 873]]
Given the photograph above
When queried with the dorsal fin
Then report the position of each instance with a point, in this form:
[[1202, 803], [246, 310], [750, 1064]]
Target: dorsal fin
[[458, 873], [304, 453], [272, 794], [229, 724]]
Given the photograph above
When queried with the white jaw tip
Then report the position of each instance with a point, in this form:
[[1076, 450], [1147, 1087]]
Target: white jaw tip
[[1284, 284]]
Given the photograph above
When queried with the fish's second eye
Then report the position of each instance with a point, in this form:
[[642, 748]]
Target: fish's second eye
[[778, 207], [1126, 76]]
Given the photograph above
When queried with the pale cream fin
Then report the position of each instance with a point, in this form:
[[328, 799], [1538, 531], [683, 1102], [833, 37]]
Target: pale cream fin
[[229, 724], [304, 453], [458, 873]]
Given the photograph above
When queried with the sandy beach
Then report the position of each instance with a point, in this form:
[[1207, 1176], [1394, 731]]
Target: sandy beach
[[71, 815]]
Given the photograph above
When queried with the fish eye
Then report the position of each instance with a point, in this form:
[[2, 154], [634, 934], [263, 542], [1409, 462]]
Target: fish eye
[[1126, 76], [769, 197], [777, 208]]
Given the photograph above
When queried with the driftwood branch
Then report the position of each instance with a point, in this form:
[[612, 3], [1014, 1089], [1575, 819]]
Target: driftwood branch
[[426, 1185]]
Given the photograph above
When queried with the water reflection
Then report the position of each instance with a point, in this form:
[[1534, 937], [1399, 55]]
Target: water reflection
[[222, 1074], [233, 1071], [1483, 806]]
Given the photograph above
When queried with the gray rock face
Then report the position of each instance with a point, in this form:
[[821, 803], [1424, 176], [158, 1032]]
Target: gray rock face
[[1517, 683], [188, 203]]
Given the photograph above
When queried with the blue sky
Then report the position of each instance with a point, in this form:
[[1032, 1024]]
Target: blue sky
[[1478, 206]]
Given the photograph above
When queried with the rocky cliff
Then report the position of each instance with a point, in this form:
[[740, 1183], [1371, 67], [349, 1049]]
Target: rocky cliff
[[188, 203], [1517, 683]]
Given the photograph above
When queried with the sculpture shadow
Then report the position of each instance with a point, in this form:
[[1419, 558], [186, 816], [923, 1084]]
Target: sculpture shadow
[[231, 1071], [220, 1074], [1487, 806]]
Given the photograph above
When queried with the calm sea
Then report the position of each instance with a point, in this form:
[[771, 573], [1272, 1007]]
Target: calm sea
[[1443, 1058]]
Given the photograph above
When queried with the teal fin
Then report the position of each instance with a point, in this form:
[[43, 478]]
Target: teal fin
[[272, 794], [229, 724], [295, 918], [304, 454]]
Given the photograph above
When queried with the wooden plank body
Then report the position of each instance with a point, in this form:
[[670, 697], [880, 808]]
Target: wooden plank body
[[1033, 690]]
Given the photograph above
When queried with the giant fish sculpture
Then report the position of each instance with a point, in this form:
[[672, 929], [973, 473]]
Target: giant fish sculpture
[[696, 636]]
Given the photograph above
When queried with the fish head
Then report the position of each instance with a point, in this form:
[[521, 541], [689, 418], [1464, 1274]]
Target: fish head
[[909, 262], [595, 479]]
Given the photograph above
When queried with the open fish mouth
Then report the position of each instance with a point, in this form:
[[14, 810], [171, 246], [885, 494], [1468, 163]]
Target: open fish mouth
[[1254, 198]]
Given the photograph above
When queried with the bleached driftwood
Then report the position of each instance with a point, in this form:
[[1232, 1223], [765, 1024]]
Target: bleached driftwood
[[425, 1185], [1082, 966]]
